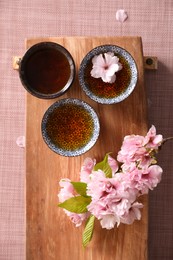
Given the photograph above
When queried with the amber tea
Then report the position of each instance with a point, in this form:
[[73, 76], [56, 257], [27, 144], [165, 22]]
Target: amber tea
[[109, 90], [47, 70], [70, 127]]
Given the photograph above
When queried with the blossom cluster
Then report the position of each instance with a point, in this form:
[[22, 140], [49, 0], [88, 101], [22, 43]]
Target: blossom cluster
[[114, 185]]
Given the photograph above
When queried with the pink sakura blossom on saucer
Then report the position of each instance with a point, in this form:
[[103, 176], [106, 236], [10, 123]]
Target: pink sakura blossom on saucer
[[105, 66]]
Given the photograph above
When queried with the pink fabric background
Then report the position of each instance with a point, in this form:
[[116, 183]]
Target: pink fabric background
[[20, 19]]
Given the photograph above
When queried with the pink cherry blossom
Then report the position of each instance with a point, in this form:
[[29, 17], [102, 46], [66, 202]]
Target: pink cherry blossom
[[67, 190], [143, 179], [99, 185], [139, 149], [153, 176], [104, 207], [108, 221], [132, 214], [86, 169], [105, 66], [88, 164], [152, 140], [95, 187], [111, 198], [123, 206], [113, 164], [77, 219], [132, 149]]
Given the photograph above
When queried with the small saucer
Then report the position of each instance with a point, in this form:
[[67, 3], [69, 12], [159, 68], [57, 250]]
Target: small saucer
[[70, 127], [109, 93]]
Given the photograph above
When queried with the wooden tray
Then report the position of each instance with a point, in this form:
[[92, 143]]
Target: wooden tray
[[49, 232]]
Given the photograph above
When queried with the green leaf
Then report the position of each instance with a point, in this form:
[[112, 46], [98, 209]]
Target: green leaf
[[76, 204], [80, 187], [104, 166], [88, 231]]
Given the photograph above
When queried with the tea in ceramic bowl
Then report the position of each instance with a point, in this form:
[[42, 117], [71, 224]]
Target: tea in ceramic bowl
[[70, 127], [47, 70], [98, 80]]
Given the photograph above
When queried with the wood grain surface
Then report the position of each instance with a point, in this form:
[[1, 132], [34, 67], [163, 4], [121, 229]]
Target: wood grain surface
[[49, 232]]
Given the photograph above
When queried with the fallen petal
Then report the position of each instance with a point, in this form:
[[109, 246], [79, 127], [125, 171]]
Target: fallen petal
[[121, 15], [21, 141]]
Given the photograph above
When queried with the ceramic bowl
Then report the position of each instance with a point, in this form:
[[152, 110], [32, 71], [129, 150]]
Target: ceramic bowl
[[109, 93], [47, 70], [70, 127]]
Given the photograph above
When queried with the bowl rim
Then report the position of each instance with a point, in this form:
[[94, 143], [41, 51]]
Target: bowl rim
[[116, 50], [32, 50], [83, 149]]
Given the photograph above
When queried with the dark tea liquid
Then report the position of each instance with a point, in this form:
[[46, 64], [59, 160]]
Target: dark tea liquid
[[47, 71], [109, 90], [70, 127]]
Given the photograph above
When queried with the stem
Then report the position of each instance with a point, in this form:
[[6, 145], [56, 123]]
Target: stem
[[167, 139]]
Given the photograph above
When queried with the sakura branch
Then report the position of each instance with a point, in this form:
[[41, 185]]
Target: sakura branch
[[109, 190]]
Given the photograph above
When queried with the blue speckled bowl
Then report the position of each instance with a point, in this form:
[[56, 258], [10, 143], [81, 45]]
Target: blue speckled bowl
[[64, 120], [87, 86]]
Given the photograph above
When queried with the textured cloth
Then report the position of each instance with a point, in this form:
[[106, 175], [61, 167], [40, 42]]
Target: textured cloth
[[20, 19]]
